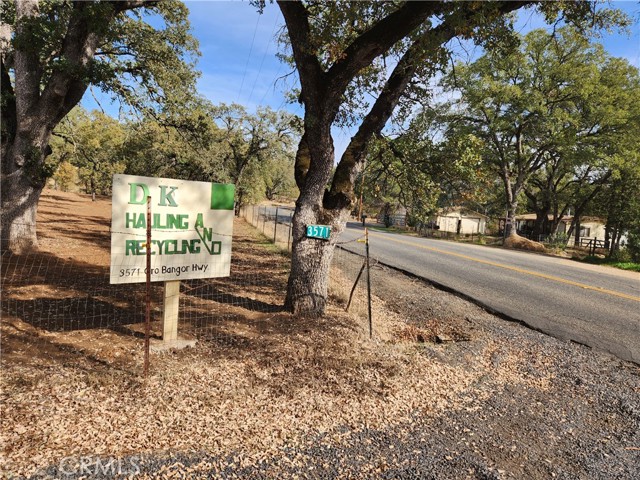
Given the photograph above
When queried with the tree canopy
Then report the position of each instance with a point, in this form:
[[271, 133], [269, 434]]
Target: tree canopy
[[376, 54], [551, 116]]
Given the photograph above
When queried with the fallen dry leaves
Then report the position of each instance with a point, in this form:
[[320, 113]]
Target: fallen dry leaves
[[259, 382]]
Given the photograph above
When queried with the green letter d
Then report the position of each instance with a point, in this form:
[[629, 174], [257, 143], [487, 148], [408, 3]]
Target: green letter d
[[132, 193]]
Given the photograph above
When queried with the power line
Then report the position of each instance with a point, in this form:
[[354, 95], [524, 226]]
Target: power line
[[255, 30], [266, 50]]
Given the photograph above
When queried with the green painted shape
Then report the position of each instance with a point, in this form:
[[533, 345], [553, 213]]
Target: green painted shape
[[222, 196]]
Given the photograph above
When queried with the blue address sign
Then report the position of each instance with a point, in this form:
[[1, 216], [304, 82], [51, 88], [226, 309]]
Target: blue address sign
[[318, 231]]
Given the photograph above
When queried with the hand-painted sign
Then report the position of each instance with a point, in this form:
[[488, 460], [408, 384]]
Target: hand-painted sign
[[191, 229], [318, 231]]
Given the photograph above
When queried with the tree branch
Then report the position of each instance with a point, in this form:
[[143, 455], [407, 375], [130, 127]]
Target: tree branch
[[427, 44], [309, 69], [379, 39], [27, 68]]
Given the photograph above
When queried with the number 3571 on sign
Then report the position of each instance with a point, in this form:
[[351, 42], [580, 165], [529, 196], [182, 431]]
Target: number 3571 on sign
[[318, 231]]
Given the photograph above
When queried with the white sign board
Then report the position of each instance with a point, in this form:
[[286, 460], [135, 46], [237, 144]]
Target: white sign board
[[191, 229]]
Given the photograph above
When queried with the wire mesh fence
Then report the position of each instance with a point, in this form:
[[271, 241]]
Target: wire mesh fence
[[62, 293], [274, 221]]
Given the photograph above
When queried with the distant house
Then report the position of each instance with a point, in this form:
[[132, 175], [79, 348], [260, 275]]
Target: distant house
[[461, 221], [590, 227], [397, 218]]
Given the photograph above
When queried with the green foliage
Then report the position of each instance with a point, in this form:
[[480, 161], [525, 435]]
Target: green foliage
[[256, 151], [278, 178], [252, 151], [633, 243], [552, 118], [152, 149], [66, 176], [632, 266], [93, 143], [146, 55], [558, 241], [421, 171], [394, 178], [150, 68], [621, 255]]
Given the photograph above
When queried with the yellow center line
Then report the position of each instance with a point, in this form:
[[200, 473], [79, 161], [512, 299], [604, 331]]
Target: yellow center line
[[508, 267]]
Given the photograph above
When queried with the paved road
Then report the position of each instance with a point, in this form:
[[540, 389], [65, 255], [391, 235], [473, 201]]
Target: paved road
[[592, 305]]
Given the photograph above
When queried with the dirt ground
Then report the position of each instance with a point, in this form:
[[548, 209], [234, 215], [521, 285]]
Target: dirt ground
[[268, 395]]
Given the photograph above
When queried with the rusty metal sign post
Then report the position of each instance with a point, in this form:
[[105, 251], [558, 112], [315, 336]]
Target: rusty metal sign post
[[147, 319], [365, 264], [366, 237]]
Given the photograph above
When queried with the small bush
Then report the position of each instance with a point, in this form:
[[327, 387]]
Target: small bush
[[557, 241], [633, 245], [622, 255]]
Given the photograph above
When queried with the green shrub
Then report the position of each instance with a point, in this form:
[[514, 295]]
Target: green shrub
[[633, 245], [622, 255], [557, 241]]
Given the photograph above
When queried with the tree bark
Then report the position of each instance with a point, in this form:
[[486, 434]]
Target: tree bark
[[19, 208], [307, 288], [576, 226]]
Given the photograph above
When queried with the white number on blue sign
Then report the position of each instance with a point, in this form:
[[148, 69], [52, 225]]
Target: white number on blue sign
[[318, 231]]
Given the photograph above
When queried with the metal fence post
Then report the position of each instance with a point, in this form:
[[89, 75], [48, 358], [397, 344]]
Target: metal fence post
[[275, 226], [366, 233]]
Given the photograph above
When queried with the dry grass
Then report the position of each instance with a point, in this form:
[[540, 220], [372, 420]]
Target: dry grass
[[517, 242]]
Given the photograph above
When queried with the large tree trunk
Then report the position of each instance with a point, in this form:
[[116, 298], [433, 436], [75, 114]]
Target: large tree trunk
[[308, 285], [19, 205], [23, 178], [541, 225], [32, 106]]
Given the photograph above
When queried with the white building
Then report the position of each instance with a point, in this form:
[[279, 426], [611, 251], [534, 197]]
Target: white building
[[461, 221]]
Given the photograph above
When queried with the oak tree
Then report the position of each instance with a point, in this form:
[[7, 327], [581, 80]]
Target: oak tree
[[51, 52], [341, 49]]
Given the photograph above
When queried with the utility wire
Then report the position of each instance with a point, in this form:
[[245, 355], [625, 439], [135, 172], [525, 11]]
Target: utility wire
[[255, 30], [266, 50]]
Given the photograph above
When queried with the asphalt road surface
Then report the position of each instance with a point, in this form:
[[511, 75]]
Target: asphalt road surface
[[593, 305]]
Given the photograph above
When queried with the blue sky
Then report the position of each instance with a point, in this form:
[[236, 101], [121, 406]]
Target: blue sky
[[238, 61]]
